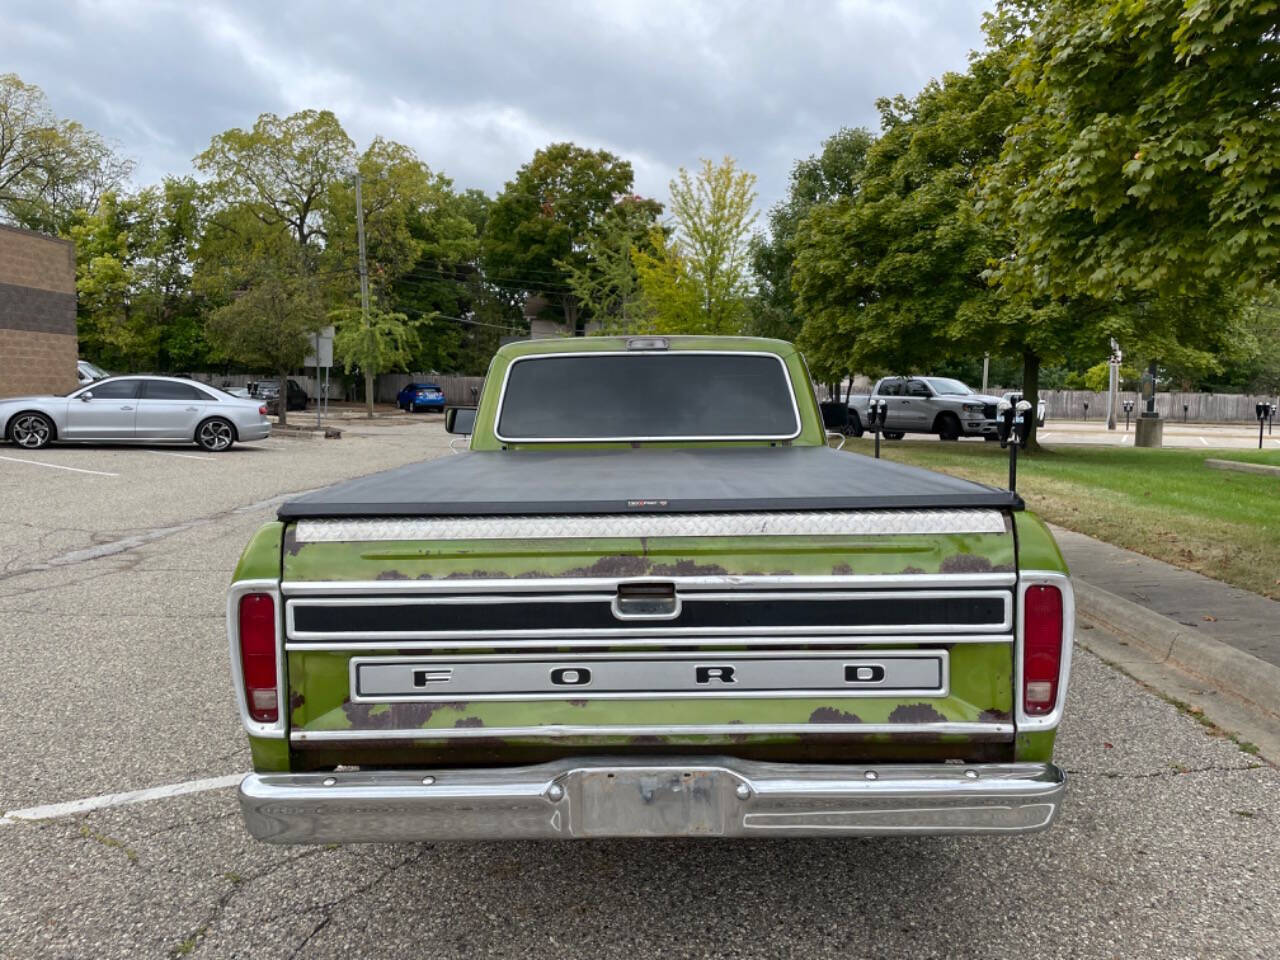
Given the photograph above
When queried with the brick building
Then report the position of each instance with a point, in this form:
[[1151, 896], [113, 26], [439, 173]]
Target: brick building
[[38, 346]]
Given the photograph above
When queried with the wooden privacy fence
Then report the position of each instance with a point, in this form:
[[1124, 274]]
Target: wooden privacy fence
[[458, 391], [1069, 404], [1059, 404], [1201, 407]]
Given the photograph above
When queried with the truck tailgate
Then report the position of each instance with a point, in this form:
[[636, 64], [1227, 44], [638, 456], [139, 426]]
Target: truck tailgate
[[840, 635]]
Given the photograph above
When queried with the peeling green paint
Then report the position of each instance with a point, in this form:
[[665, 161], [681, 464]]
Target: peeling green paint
[[261, 558], [981, 690], [1037, 550], [269, 756], [660, 556]]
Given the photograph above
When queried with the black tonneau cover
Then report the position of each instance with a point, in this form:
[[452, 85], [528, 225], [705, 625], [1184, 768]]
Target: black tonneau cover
[[701, 480]]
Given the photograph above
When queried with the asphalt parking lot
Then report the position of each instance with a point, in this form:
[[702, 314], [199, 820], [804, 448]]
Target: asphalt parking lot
[[113, 666]]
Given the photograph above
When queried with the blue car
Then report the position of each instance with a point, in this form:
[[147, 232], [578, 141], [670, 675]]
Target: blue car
[[420, 396]]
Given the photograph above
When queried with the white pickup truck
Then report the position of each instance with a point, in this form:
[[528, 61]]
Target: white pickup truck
[[938, 405]]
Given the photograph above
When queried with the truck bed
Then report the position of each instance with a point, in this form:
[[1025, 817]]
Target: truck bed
[[705, 480]]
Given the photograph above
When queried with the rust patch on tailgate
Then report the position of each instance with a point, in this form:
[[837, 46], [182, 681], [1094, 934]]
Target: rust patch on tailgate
[[916, 713], [832, 715]]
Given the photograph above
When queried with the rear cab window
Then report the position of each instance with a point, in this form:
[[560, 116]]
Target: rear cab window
[[637, 396]]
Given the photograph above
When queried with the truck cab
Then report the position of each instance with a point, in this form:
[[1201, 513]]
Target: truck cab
[[649, 600]]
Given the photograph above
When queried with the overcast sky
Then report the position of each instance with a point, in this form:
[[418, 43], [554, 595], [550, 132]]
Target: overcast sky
[[475, 87]]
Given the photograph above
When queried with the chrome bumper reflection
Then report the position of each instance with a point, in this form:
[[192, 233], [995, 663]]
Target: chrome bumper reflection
[[647, 797]]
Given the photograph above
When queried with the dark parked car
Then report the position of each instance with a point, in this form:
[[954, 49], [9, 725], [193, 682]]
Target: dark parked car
[[269, 391], [420, 396]]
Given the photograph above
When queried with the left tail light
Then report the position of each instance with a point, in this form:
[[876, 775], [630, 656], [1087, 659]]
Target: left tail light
[[262, 410], [1042, 649], [258, 656]]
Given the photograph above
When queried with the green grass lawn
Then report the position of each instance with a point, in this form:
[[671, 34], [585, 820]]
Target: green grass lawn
[[1164, 503]]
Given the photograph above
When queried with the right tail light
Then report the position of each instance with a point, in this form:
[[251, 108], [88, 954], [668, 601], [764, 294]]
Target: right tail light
[[1041, 649]]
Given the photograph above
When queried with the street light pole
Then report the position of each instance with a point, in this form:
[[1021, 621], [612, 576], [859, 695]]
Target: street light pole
[[1113, 384], [364, 286]]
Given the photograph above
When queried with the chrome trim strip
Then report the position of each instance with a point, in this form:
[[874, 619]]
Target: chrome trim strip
[[833, 523], [990, 732], [302, 588], [1062, 581], [942, 657], [273, 731], [650, 642], [633, 354], [576, 798], [363, 637]]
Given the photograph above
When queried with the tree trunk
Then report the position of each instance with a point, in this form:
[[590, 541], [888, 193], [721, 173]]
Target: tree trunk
[[368, 392], [282, 398], [571, 315], [1031, 394]]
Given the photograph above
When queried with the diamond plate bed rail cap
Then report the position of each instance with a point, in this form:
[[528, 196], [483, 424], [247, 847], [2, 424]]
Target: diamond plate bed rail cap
[[602, 526]]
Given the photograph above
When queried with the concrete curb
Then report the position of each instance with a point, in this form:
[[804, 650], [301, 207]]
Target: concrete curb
[[1243, 467], [1238, 674]]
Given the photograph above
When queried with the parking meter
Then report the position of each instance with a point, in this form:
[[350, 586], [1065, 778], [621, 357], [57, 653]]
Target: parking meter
[[1022, 422], [877, 412], [1263, 410], [1086, 410], [1004, 422], [1184, 412], [1128, 409], [1271, 419]]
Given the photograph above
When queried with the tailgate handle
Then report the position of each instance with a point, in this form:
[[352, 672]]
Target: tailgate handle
[[646, 601]]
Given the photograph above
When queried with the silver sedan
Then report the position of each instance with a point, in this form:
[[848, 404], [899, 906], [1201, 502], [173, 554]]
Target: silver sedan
[[135, 410]]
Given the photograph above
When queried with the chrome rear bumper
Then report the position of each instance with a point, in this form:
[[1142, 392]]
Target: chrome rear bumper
[[648, 797]]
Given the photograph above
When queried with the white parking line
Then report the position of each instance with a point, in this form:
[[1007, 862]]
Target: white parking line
[[52, 810], [1204, 441], [170, 453], [58, 466]]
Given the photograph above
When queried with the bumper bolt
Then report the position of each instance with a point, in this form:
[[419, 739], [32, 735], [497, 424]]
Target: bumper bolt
[[330, 781], [743, 791], [872, 775], [555, 791], [428, 781]]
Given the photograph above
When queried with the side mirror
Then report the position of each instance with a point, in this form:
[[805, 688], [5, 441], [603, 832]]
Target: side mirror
[[86, 396], [460, 420]]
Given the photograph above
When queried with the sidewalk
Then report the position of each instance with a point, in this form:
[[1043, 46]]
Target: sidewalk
[[1209, 647], [1212, 609]]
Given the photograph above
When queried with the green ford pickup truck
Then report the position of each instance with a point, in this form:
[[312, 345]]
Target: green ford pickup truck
[[649, 600]]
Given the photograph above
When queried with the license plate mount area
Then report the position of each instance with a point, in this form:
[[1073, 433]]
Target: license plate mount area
[[647, 802]]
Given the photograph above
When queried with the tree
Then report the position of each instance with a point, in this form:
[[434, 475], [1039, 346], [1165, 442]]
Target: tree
[[892, 275], [50, 168], [381, 342], [281, 170], [1144, 158], [698, 280], [823, 178], [135, 306], [537, 227], [607, 284], [268, 322]]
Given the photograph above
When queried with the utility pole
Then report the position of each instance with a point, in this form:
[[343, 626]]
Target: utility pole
[[1113, 384], [986, 365], [364, 289]]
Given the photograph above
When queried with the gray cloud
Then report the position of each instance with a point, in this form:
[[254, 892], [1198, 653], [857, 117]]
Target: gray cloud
[[475, 88]]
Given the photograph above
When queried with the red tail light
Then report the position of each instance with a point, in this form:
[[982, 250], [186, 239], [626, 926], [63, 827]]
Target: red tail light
[[262, 410], [1041, 649], [258, 656]]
